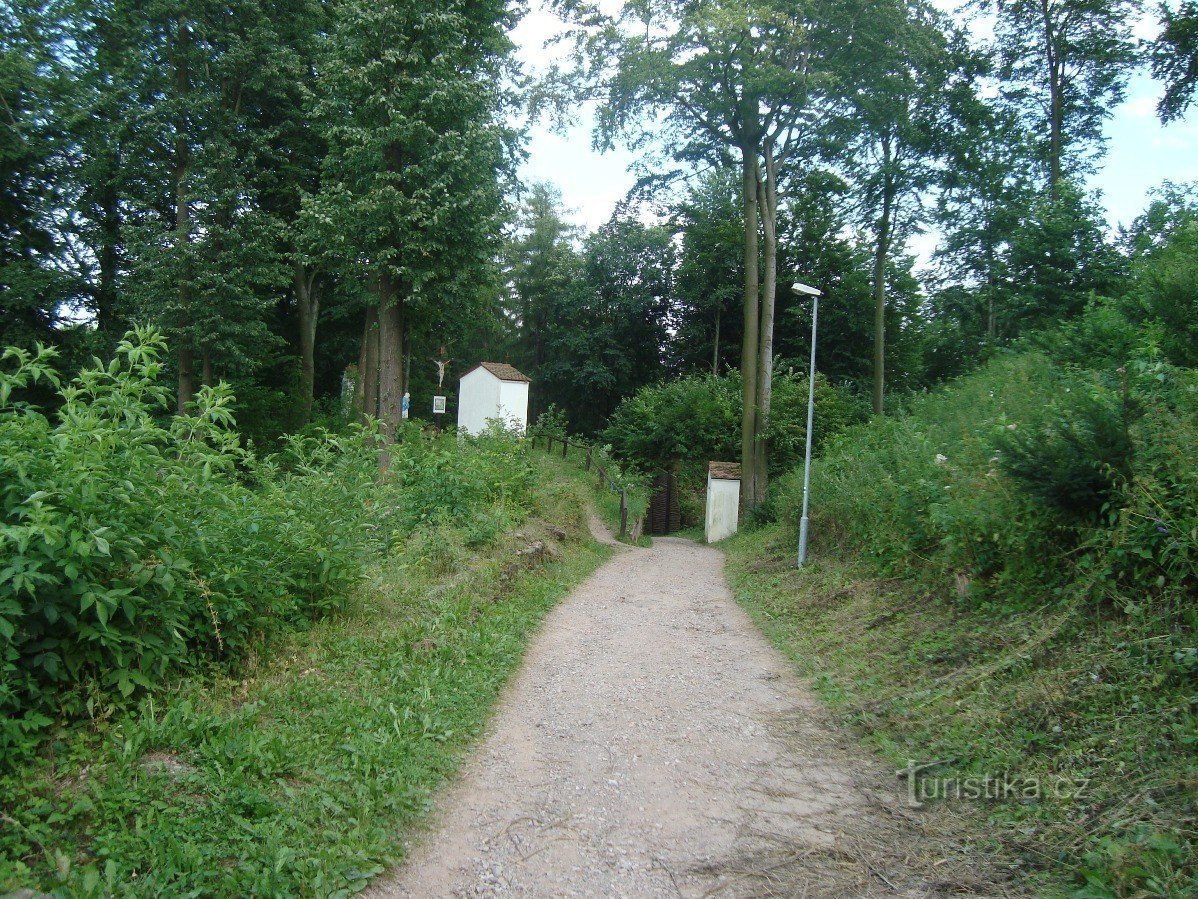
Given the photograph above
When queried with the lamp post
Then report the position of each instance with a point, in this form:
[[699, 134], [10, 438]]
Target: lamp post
[[801, 290]]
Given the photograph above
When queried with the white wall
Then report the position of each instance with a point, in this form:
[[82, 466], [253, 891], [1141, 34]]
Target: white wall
[[723, 506], [478, 400], [513, 404]]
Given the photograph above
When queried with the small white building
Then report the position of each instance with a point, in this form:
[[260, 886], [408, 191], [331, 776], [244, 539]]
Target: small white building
[[723, 500], [492, 390]]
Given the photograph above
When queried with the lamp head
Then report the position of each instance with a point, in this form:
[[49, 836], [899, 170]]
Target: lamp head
[[806, 289]]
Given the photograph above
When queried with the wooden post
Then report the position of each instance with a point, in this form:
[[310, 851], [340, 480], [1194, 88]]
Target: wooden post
[[549, 443], [587, 464], [565, 446], [623, 514]]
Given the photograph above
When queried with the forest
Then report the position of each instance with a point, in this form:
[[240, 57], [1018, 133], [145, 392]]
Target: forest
[[313, 197], [234, 237]]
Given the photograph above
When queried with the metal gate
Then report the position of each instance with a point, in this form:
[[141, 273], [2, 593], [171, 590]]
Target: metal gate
[[665, 515]]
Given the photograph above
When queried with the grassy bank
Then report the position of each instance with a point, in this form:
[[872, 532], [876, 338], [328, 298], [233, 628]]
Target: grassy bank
[[303, 773], [954, 614]]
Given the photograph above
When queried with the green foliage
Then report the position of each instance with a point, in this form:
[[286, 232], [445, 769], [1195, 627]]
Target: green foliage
[[1075, 455], [694, 419], [480, 485], [1169, 286], [1021, 478], [1175, 58], [550, 423], [134, 545], [307, 772]]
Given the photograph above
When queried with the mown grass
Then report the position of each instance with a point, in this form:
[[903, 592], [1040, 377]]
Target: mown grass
[[952, 614], [1077, 703], [304, 775]]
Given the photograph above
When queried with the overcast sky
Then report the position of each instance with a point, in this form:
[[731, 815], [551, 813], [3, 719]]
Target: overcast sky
[[1141, 153]]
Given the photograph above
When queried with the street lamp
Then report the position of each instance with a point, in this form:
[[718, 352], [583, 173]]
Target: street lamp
[[805, 290]]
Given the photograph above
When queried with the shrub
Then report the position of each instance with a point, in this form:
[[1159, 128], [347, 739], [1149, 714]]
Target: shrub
[[696, 419], [133, 545], [1022, 481], [1074, 456]]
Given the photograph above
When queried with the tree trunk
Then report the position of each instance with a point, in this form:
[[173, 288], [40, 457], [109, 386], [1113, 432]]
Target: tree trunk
[[186, 389], [881, 252], [391, 341], [107, 259], [110, 53], [368, 364], [768, 188], [185, 361], [307, 301], [715, 348], [748, 349], [1056, 109]]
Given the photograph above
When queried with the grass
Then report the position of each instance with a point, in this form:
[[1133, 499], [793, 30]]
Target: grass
[[1062, 695], [606, 500], [305, 774]]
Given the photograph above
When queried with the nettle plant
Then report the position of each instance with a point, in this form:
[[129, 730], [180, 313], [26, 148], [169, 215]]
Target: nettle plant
[[132, 544]]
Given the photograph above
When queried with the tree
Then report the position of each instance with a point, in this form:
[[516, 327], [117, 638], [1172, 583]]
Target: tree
[[726, 81], [591, 320], [709, 278], [411, 203], [545, 274], [819, 248], [1058, 257], [1064, 64], [33, 287], [1174, 57], [985, 192], [899, 70]]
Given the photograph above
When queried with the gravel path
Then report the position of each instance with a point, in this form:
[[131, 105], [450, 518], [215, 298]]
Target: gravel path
[[654, 744]]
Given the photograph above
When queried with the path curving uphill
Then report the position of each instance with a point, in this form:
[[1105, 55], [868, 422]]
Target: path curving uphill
[[654, 744]]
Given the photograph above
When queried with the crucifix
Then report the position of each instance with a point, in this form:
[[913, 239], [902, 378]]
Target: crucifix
[[442, 363]]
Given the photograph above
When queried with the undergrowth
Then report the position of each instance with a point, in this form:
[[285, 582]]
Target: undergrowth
[[1004, 581], [315, 645]]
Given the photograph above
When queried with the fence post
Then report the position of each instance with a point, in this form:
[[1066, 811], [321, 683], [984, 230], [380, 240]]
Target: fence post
[[623, 514], [565, 446], [549, 443], [587, 464], [600, 468]]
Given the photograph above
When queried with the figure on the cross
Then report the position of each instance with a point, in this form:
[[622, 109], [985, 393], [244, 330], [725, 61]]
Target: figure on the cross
[[442, 363]]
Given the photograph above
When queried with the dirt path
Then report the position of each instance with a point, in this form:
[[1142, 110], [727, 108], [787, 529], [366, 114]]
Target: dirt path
[[655, 744]]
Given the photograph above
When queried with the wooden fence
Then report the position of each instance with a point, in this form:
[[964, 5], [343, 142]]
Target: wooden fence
[[605, 478]]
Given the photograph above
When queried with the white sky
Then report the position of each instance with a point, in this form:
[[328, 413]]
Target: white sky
[[1141, 153]]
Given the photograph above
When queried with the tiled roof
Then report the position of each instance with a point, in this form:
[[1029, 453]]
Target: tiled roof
[[502, 371], [724, 471]]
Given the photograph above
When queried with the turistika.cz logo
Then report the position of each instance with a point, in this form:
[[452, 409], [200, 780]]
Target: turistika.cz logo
[[923, 787]]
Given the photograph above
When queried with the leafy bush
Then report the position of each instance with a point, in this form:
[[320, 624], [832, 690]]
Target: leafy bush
[[472, 482], [1076, 455], [696, 420], [133, 544], [994, 485], [1169, 288], [553, 422]]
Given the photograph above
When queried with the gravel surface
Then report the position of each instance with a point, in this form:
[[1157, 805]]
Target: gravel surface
[[654, 744]]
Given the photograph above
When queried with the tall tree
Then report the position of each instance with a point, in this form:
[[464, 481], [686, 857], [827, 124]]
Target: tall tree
[[1175, 58], [412, 100], [33, 287], [901, 70], [709, 278], [986, 189], [1064, 65], [727, 81]]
